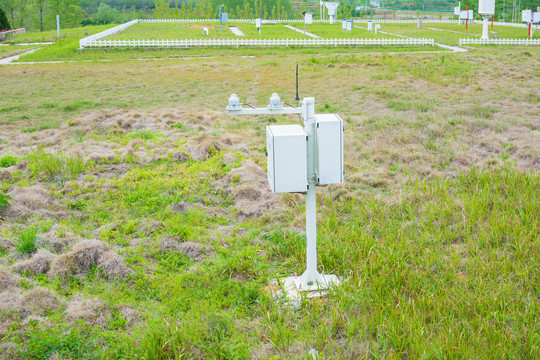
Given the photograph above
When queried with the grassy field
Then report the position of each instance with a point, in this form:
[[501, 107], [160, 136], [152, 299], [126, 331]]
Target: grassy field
[[50, 35], [335, 32], [450, 34], [11, 50], [141, 225], [66, 48], [269, 31]]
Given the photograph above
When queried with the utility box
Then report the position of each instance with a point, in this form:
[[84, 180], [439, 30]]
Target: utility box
[[286, 146], [526, 16], [329, 149], [486, 7]]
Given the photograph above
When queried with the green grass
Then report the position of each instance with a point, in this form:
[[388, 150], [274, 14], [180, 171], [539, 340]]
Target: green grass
[[26, 242], [335, 31], [4, 201], [47, 36], [172, 31], [57, 166], [435, 229], [450, 33], [7, 160], [66, 48], [7, 51], [269, 31]]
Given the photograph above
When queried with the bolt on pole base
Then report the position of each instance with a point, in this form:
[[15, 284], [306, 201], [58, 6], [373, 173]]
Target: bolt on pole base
[[295, 287]]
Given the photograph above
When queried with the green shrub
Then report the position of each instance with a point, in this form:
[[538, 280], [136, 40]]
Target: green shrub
[[7, 161], [56, 166], [26, 242], [4, 201], [4, 22]]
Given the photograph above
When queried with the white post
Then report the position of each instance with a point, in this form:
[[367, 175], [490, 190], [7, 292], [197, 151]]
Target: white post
[[57, 25], [485, 27], [311, 280], [311, 276]]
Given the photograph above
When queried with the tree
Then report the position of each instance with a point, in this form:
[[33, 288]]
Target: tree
[[40, 4], [9, 7], [4, 23], [21, 6]]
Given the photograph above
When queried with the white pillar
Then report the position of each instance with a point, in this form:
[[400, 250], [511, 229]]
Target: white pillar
[[485, 25], [311, 276], [57, 25]]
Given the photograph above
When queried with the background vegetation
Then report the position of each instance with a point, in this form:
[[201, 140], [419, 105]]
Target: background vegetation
[[140, 224], [41, 14]]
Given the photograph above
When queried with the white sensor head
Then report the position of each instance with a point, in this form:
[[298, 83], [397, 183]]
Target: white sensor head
[[275, 102], [234, 103]]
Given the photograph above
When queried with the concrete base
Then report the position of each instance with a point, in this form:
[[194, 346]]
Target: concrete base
[[294, 287]]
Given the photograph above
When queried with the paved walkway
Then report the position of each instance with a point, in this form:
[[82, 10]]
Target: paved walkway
[[7, 60], [302, 31], [236, 31], [27, 44]]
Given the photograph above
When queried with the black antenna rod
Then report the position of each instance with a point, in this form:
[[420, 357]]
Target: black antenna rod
[[297, 97]]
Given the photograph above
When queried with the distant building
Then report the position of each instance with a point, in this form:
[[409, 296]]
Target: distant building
[[362, 8], [375, 3]]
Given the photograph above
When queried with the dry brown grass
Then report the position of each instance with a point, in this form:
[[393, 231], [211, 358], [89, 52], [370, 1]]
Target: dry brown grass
[[29, 201], [92, 311], [194, 251], [40, 263], [85, 255]]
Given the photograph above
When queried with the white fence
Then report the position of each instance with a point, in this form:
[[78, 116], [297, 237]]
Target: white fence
[[258, 42], [95, 40], [499, 42], [337, 22], [90, 39]]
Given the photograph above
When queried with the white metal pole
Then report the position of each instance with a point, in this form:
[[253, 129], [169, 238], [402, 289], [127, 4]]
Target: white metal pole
[[311, 276], [485, 27], [57, 25]]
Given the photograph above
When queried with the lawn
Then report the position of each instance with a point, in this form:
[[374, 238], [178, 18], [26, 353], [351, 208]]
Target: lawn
[[66, 48], [335, 31], [269, 31], [450, 34], [7, 51], [158, 237], [46, 36]]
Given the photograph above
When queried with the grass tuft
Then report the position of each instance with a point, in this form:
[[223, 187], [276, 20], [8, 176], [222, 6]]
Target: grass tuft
[[58, 166], [26, 243]]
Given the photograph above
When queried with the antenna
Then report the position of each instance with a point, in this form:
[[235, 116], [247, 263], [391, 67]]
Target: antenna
[[297, 97]]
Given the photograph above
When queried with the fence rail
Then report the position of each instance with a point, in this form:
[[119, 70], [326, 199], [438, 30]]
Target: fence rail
[[387, 21], [499, 42], [90, 39], [95, 40], [257, 42]]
